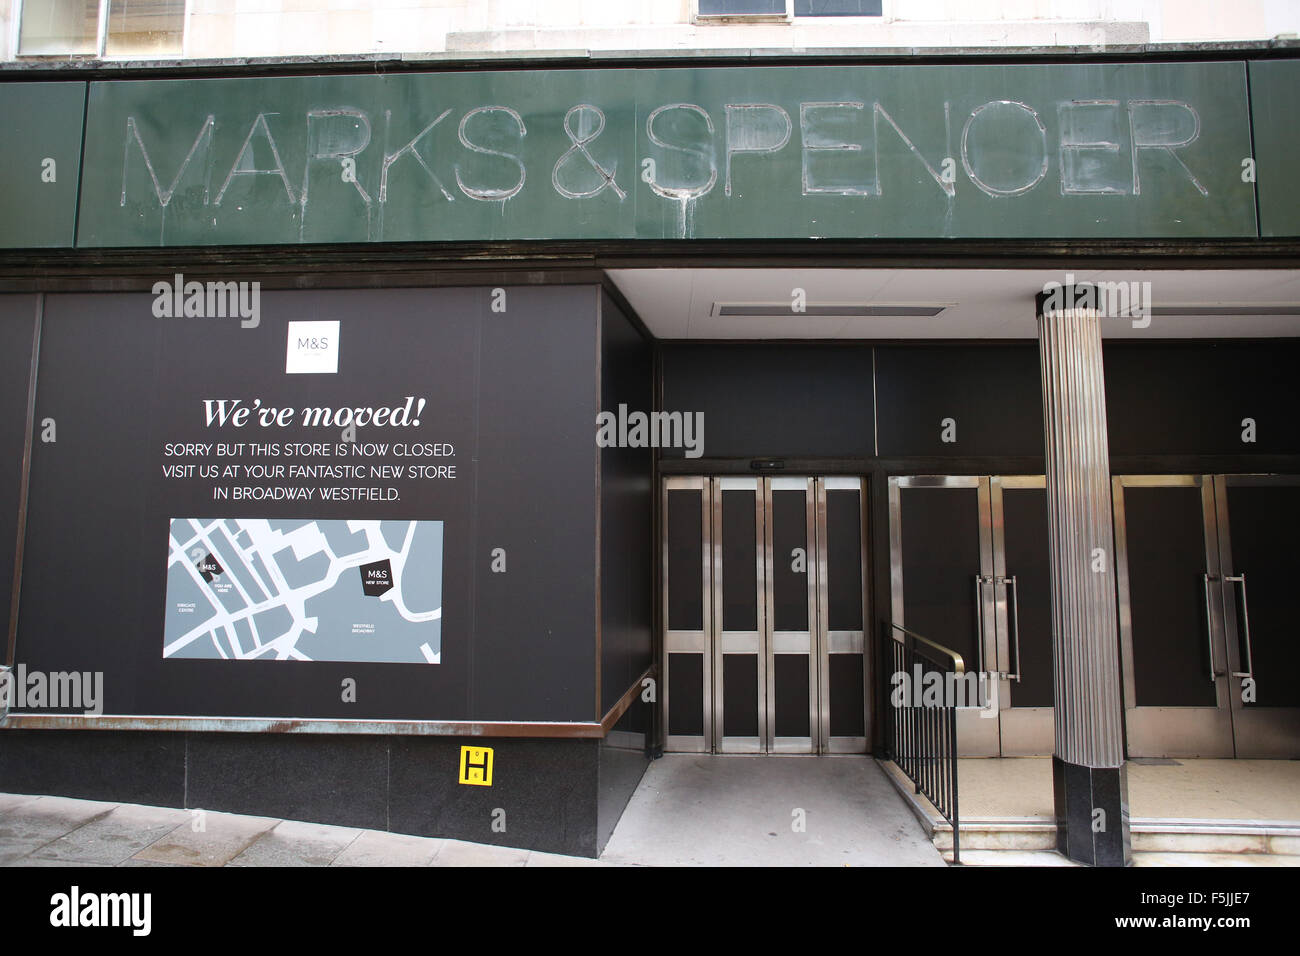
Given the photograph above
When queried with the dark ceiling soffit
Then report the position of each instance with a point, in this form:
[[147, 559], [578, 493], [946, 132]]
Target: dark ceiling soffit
[[398, 264]]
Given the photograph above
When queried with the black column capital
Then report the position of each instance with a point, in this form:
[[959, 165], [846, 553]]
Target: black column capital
[[1058, 297]]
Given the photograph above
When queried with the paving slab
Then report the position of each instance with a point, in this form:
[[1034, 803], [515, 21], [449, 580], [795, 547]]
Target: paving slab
[[223, 837], [11, 801], [116, 836], [134, 862], [555, 859], [743, 810], [34, 824], [292, 843], [459, 853], [1216, 790], [375, 848], [1163, 789], [46, 862]]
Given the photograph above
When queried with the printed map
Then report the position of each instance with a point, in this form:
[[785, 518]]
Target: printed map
[[293, 590]]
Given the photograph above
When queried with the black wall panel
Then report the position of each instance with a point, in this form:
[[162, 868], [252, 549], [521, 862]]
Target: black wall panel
[[992, 393], [1166, 398], [1190, 399], [117, 766], [535, 642], [626, 511], [514, 392], [773, 400], [547, 789], [17, 323], [334, 780], [621, 764]]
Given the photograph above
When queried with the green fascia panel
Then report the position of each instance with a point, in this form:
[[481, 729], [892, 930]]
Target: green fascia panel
[[40, 141], [1274, 91], [1148, 150]]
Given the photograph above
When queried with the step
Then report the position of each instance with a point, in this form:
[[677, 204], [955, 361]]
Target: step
[[1027, 835], [1215, 836], [1010, 858], [1144, 859], [1153, 837], [1149, 836]]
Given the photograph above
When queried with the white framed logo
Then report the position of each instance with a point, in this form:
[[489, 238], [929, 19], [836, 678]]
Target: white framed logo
[[313, 347]]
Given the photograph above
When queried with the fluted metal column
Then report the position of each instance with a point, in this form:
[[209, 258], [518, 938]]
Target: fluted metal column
[[1088, 772]]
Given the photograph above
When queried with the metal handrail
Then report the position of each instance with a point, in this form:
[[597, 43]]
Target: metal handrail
[[922, 739], [959, 665]]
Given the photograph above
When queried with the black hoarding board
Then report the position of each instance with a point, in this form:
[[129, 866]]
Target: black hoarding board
[[17, 324], [325, 505]]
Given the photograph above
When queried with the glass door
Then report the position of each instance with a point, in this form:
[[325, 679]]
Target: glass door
[[1259, 555], [1177, 698], [941, 568], [740, 617], [1022, 595], [970, 571], [764, 584]]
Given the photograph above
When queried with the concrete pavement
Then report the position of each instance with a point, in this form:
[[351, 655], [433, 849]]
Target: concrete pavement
[[59, 831], [688, 811]]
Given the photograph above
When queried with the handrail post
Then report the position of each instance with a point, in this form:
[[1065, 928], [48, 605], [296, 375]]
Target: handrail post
[[924, 737]]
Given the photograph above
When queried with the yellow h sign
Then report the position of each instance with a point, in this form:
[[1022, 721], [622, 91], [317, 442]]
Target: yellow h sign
[[476, 766]]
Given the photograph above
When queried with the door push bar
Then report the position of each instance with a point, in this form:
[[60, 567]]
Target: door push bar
[[980, 581], [1209, 623], [1010, 583], [1245, 620]]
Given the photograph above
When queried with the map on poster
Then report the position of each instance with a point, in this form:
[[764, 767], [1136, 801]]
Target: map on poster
[[294, 590]]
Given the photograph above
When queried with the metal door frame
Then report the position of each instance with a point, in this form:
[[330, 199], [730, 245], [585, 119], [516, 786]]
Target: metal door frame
[[1025, 731], [685, 641], [818, 643], [1257, 731], [740, 642], [1174, 731], [841, 642], [792, 642], [978, 735]]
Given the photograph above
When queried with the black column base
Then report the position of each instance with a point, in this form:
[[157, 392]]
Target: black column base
[[1082, 834]]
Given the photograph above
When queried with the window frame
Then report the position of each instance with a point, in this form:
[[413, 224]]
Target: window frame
[[788, 17], [101, 36]]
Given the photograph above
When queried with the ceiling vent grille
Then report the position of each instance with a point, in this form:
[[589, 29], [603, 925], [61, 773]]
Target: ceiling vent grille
[[845, 310]]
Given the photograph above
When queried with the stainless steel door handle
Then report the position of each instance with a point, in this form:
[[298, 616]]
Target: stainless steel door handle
[[980, 581], [1245, 622], [1014, 594], [1209, 625]]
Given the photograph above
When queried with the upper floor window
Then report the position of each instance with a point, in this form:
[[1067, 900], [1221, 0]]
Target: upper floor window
[[135, 28], [785, 8]]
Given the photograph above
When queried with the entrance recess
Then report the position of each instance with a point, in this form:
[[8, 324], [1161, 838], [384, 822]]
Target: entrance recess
[[969, 569], [764, 611], [1207, 568]]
